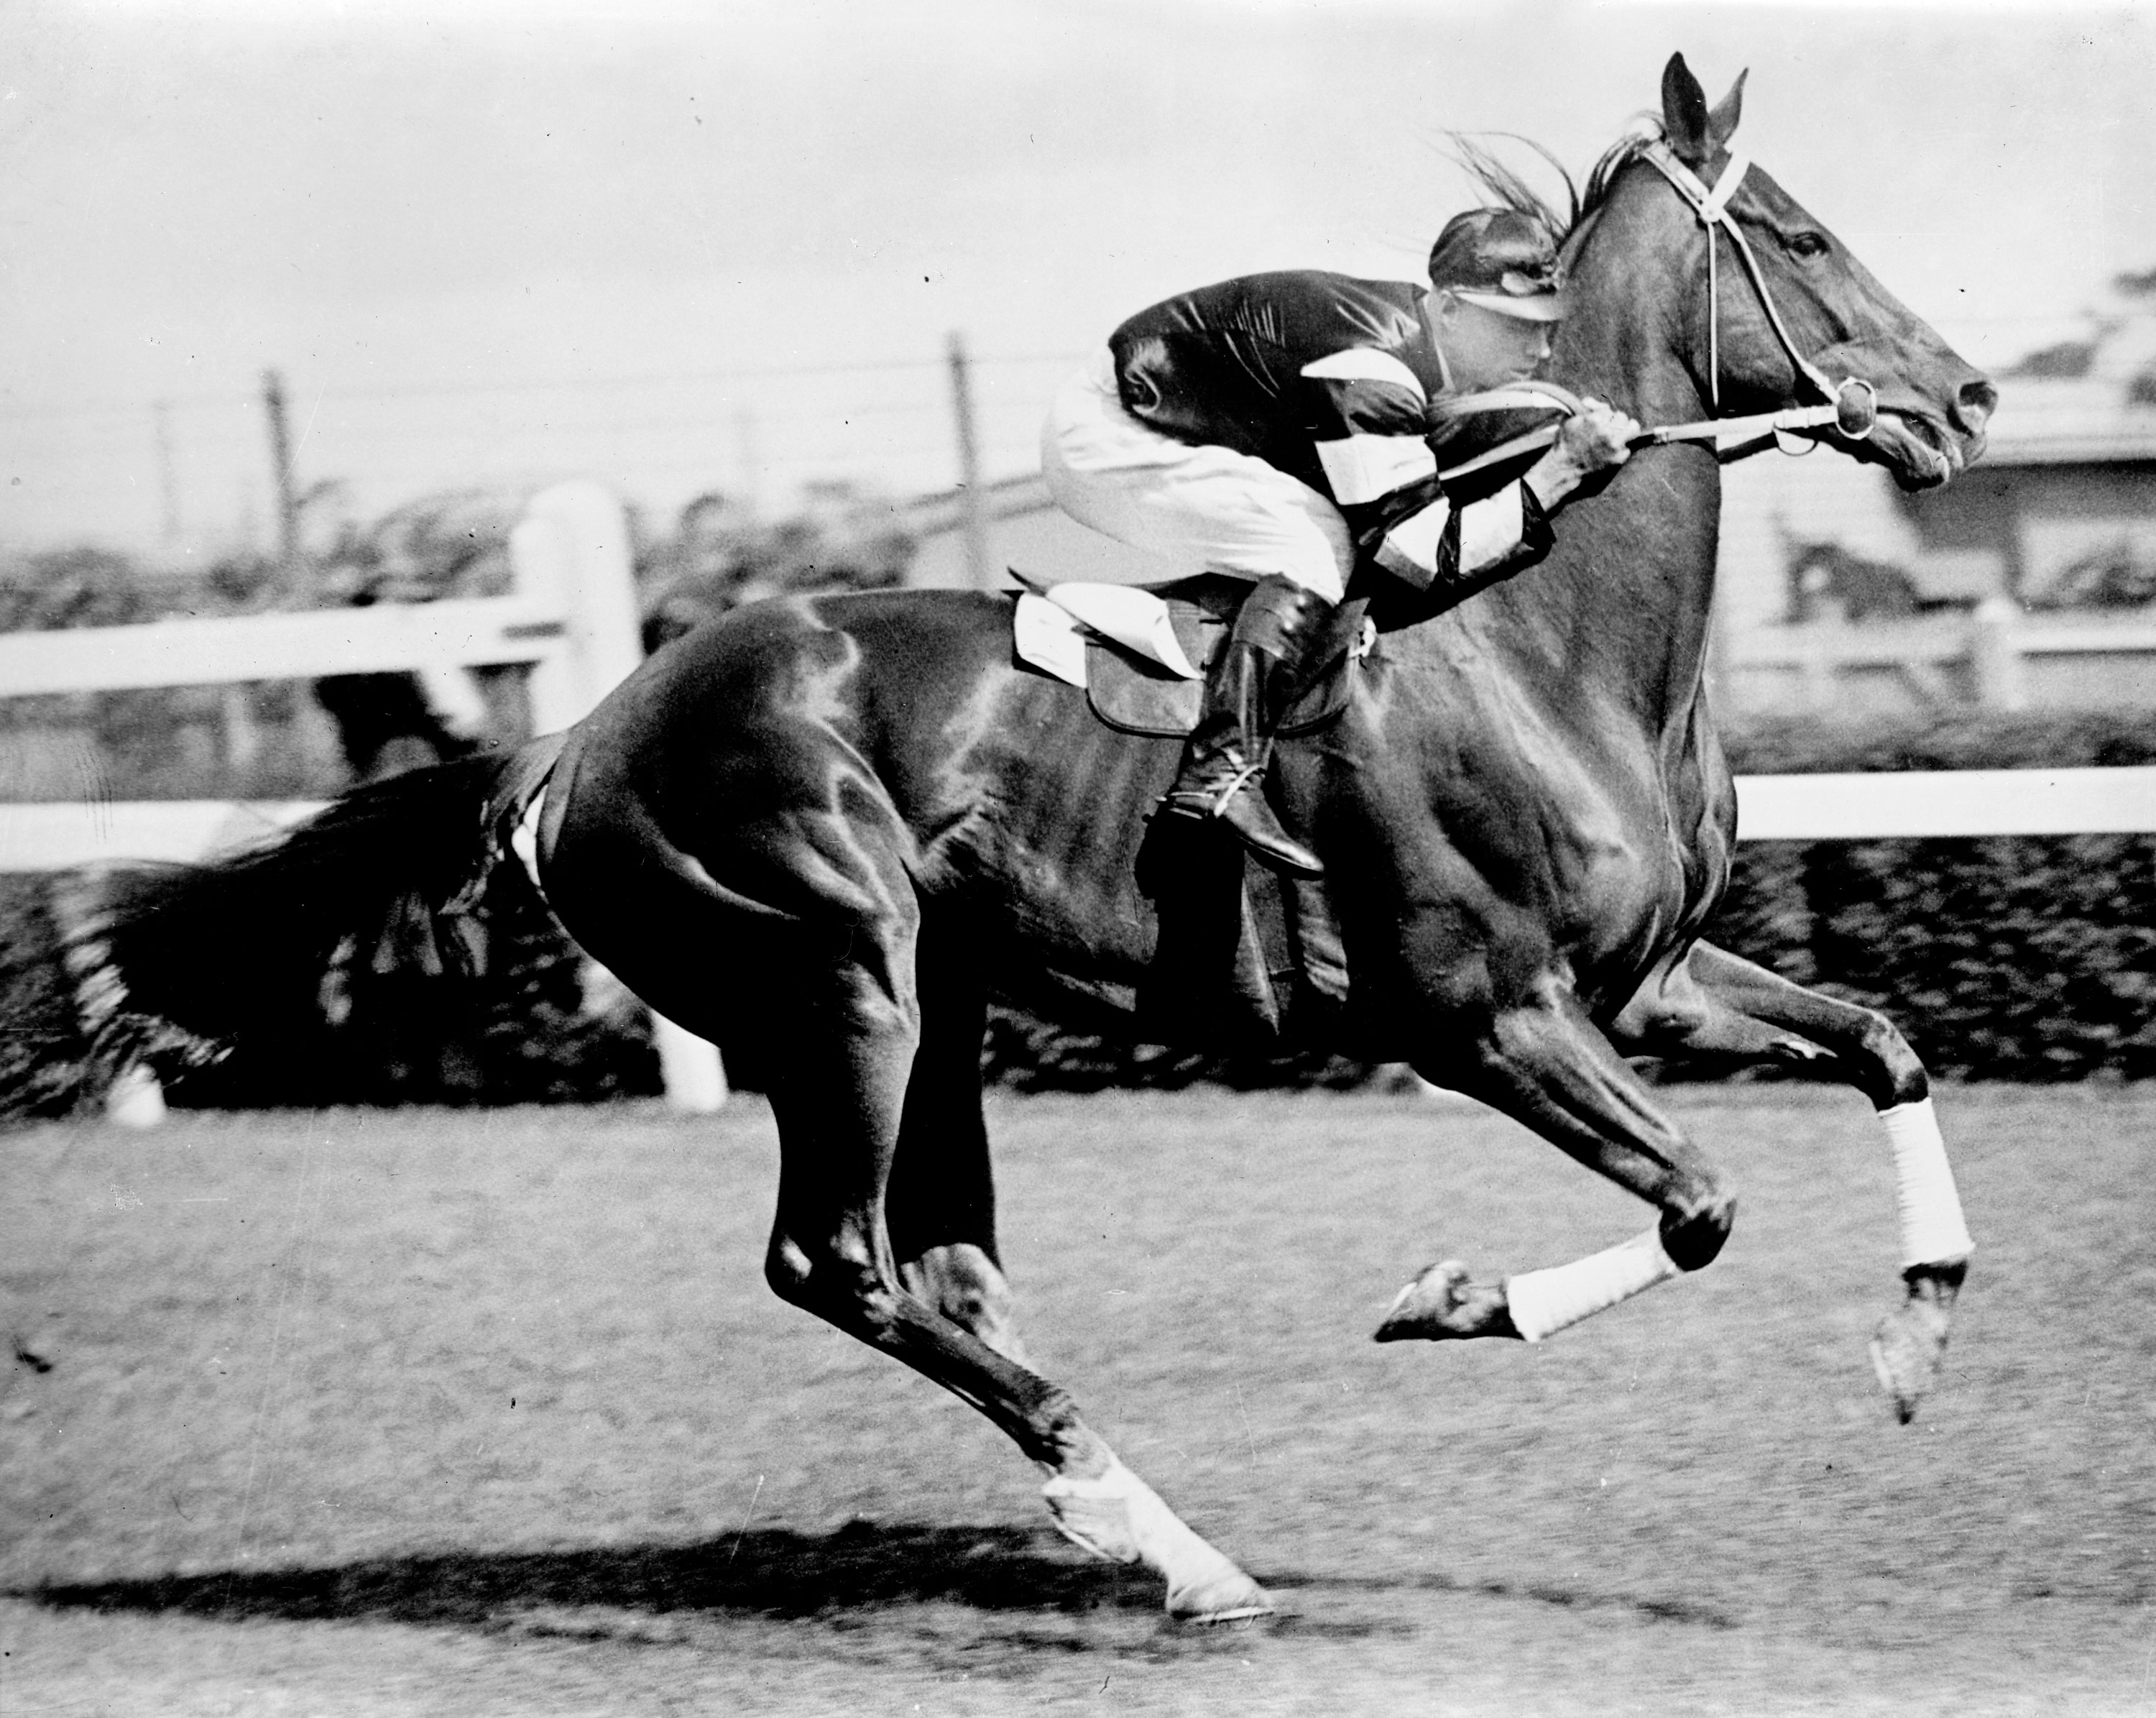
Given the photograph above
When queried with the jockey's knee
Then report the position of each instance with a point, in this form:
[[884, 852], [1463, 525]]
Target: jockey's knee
[[1692, 1232]]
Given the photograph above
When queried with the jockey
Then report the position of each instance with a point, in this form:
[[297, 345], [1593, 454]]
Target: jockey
[[1277, 428]]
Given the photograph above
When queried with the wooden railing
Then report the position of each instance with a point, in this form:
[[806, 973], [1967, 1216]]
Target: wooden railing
[[1994, 647]]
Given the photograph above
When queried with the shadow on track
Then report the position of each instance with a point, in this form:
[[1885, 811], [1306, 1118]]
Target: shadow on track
[[772, 1573]]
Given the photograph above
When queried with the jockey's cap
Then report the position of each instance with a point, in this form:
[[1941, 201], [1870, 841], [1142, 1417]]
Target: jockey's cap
[[1503, 260]]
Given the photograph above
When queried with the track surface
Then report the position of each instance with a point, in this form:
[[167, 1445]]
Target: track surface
[[481, 1413]]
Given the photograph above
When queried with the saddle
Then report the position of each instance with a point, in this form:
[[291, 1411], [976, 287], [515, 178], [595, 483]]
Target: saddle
[[1250, 952], [1137, 681]]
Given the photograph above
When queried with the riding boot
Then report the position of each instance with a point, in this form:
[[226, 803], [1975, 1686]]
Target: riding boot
[[1258, 668]]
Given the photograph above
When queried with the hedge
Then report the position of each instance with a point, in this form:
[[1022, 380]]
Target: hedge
[[2025, 958]]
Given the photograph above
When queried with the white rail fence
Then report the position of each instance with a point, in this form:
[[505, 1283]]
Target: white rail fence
[[1849, 807], [571, 615], [1911, 804], [1989, 656], [1947, 802]]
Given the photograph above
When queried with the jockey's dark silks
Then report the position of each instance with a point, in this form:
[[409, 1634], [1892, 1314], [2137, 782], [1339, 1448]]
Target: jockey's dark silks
[[1328, 380], [1325, 378], [1227, 363]]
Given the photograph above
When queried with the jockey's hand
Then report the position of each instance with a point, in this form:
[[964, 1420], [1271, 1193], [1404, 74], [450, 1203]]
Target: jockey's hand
[[1594, 440]]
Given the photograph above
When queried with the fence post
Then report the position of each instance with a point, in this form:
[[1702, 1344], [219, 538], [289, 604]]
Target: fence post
[[572, 546], [280, 461], [605, 636], [1819, 670], [972, 505], [1995, 655]]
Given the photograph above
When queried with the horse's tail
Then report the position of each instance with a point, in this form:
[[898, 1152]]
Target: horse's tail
[[213, 948]]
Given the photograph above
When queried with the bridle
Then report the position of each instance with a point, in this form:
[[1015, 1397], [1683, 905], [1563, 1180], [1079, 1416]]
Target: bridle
[[1852, 421], [1852, 404]]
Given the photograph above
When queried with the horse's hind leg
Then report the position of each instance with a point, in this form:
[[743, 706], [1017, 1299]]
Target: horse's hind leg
[[1718, 1007], [798, 925], [839, 1105], [1545, 1063], [941, 1202]]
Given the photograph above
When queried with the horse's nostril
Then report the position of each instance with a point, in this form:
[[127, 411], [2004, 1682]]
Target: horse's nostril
[[1974, 404]]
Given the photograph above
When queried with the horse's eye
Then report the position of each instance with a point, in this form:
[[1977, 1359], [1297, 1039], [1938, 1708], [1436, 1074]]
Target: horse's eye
[[1807, 245]]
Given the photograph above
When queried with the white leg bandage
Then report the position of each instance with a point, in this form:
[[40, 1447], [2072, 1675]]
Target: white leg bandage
[[1545, 1301], [1932, 1232], [1120, 1517]]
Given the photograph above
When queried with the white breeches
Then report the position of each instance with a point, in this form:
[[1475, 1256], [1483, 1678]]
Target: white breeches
[[1201, 509]]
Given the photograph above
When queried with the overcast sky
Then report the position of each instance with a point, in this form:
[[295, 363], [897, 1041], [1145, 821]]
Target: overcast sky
[[684, 247]]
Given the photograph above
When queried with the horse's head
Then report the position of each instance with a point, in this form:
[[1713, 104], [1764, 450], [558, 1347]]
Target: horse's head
[[1782, 315]]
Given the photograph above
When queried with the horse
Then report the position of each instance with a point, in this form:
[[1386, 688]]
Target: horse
[[841, 824]]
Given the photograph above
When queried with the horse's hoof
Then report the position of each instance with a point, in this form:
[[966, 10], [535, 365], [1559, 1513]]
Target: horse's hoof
[[1906, 1351], [1229, 1596], [1442, 1305]]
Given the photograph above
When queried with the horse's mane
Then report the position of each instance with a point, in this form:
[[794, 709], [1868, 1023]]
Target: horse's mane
[[1503, 184]]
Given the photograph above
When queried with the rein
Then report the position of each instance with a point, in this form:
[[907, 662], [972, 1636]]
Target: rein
[[1852, 406]]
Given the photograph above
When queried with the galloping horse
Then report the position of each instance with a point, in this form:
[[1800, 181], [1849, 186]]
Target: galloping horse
[[844, 823]]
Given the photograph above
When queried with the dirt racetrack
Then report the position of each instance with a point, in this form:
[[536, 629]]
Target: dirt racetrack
[[478, 1414]]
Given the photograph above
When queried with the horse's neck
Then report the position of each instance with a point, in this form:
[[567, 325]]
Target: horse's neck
[[1628, 339], [1632, 580]]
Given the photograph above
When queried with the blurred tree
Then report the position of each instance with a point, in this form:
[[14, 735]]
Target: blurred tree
[[73, 586]]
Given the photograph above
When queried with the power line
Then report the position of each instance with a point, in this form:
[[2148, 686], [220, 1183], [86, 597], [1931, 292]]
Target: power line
[[570, 384]]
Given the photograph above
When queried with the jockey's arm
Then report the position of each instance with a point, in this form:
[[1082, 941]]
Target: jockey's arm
[[1426, 540]]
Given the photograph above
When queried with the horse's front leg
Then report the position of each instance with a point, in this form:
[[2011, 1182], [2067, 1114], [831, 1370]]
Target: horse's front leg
[[1546, 1064], [1717, 1007]]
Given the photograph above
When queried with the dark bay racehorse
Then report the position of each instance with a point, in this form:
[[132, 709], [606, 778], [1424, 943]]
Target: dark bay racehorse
[[843, 824]]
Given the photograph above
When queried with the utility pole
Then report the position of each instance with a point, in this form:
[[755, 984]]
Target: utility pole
[[168, 485], [745, 451], [973, 506], [280, 460]]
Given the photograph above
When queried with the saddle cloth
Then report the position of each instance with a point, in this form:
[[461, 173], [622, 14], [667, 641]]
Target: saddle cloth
[[1140, 652]]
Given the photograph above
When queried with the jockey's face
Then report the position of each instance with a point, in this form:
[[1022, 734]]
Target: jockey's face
[[1486, 348]]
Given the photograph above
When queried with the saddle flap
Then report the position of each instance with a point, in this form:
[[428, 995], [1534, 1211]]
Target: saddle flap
[[1137, 696]]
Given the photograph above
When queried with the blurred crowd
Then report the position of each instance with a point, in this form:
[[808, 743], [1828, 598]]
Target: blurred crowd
[[716, 555]]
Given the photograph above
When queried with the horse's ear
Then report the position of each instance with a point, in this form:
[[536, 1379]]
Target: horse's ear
[[1722, 123], [1686, 121]]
